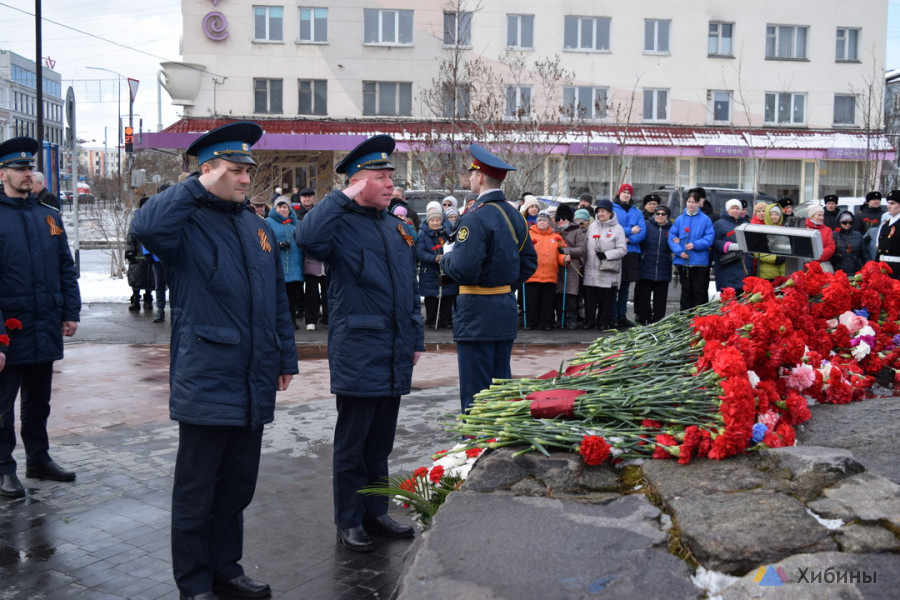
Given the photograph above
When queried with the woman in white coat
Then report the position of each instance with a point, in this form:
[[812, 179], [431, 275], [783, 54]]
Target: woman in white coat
[[606, 246]]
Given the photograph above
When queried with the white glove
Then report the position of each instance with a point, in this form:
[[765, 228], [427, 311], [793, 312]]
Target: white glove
[[448, 247]]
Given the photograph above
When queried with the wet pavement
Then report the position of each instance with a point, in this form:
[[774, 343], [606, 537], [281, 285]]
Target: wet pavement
[[106, 535]]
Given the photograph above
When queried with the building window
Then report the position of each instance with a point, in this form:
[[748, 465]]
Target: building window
[[785, 107], [844, 109], [313, 97], [520, 31], [313, 25], [786, 41], [656, 105], [457, 103], [267, 96], [585, 102], [719, 106], [656, 35], [457, 29], [388, 26], [720, 39], [586, 33], [388, 98], [268, 23], [847, 45], [518, 101]]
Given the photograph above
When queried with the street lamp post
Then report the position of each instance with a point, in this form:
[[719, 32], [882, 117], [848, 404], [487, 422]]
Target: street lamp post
[[119, 140]]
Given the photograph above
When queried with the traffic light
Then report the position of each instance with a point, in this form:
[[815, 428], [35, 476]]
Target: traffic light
[[129, 139]]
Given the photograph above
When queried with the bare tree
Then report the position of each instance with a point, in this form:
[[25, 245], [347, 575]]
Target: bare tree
[[870, 98]]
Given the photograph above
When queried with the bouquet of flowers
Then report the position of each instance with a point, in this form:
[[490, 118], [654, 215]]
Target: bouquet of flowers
[[725, 378], [423, 492]]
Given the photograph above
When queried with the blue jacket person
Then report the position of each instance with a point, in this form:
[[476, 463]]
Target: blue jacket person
[[492, 255], [39, 290], [232, 348], [375, 332]]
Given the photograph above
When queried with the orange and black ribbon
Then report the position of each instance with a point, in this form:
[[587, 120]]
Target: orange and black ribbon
[[264, 240], [54, 228], [406, 236]]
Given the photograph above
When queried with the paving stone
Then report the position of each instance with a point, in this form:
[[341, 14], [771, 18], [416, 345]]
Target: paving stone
[[885, 568], [734, 533], [866, 538], [548, 548], [867, 496], [672, 480]]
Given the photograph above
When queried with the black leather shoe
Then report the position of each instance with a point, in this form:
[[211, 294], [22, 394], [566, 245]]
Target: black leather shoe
[[49, 470], [386, 526], [203, 596], [243, 587], [160, 316], [356, 539], [11, 487]]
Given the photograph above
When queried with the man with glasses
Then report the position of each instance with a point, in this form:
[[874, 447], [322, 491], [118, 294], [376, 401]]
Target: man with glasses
[[39, 303]]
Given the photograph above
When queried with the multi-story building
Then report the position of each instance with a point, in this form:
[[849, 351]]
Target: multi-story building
[[18, 99], [782, 97], [97, 162]]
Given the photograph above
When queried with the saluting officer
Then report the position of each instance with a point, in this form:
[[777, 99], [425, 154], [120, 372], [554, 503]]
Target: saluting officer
[[889, 235], [492, 255], [375, 332], [232, 349]]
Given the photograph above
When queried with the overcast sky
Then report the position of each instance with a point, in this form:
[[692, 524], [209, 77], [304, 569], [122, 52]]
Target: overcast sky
[[142, 34]]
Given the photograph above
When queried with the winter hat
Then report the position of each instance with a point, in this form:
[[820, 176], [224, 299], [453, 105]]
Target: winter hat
[[663, 208], [434, 205], [451, 212], [434, 214], [845, 216], [283, 200], [582, 214], [543, 215], [814, 209], [452, 200], [624, 187], [564, 212], [529, 202], [606, 204], [830, 198], [733, 202], [876, 195], [399, 210]]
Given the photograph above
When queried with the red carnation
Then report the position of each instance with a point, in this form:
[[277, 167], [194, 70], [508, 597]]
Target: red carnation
[[4, 340], [436, 474], [687, 229], [13, 324], [596, 236], [421, 472], [474, 452], [594, 449]]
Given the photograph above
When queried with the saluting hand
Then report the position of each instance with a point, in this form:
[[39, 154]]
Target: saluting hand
[[209, 179], [353, 191]]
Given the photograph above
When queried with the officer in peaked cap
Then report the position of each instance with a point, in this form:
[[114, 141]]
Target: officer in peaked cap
[[492, 256], [373, 154], [40, 289], [229, 305], [375, 332]]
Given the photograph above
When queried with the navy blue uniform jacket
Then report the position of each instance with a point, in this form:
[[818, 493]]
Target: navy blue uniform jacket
[[374, 312], [487, 254], [38, 284], [232, 334]]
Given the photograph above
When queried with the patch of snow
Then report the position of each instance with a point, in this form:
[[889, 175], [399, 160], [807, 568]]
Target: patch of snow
[[712, 582], [828, 523]]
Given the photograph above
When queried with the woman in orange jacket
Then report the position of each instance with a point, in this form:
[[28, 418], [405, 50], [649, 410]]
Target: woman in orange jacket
[[540, 289]]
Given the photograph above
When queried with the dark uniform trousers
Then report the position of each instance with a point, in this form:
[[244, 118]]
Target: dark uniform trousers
[[35, 382], [363, 439], [694, 282], [650, 300], [215, 477], [479, 363]]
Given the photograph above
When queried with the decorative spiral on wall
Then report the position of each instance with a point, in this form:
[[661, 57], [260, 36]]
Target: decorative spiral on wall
[[215, 26]]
